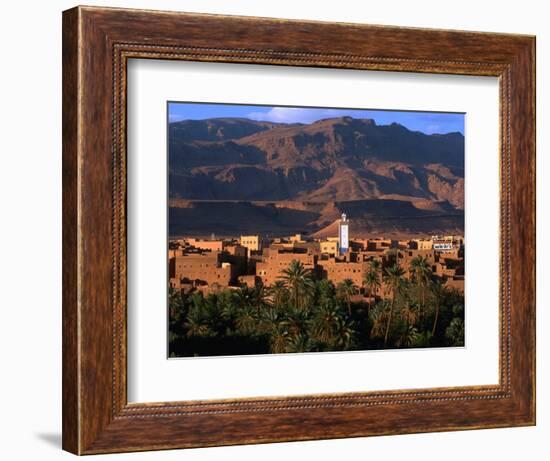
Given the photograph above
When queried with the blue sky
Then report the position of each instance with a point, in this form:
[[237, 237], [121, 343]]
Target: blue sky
[[427, 122]]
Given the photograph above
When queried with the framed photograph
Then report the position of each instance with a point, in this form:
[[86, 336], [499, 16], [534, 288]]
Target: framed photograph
[[280, 230]]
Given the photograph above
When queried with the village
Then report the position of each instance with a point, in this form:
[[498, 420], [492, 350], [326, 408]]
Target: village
[[211, 265]]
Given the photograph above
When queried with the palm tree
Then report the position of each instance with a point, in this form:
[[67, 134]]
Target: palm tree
[[246, 309], [325, 322], [409, 313], [279, 339], [346, 289], [245, 297], [196, 325], [345, 334], [393, 279], [296, 320], [408, 337], [438, 293], [177, 309], [246, 321], [278, 293], [261, 297], [298, 281], [197, 318], [300, 343], [268, 320], [372, 282], [324, 290], [378, 316], [421, 275], [213, 313], [375, 265], [455, 332], [228, 307]]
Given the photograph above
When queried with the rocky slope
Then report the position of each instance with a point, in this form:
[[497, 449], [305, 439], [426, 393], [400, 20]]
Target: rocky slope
[[387, 178]]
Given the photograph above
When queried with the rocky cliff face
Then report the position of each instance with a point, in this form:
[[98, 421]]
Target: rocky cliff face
[[339, 162]]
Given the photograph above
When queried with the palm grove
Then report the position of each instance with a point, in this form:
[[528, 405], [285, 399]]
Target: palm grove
[[301, 313]]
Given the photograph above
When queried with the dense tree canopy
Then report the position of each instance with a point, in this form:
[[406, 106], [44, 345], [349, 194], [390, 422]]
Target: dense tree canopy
[[301, 314]]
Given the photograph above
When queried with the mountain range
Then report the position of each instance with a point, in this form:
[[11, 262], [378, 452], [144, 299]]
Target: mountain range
[[231, 176]]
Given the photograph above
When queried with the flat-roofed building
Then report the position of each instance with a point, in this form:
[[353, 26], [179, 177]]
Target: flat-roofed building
[[275, 261], [309, 247], [339, 270], [453, 253], [237, 255], [329, 247], [205, 267], [379, 244], [236, 250], [360, 244], [178, 252], [456, 283], [203, 244], [296, 238], [251, 242], [406, 256], [400, 244], [422, 244], [446, 243]]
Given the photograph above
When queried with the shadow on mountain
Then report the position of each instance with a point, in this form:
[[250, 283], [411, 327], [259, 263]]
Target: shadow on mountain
[[235, 218], [369, 217]]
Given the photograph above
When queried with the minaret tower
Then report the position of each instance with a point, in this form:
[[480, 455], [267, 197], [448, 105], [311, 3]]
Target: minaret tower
[[343, 234]]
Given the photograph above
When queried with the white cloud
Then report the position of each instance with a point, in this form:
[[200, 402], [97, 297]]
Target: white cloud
[[297, 114], [174, 118], [434, 128]]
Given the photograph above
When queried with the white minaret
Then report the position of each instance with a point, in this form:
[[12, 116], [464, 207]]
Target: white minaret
[[343, 234]]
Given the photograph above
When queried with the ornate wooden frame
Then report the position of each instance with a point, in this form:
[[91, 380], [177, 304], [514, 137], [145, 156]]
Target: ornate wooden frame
[[97, 43]]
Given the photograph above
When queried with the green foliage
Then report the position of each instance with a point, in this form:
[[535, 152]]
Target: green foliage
[[301, 314], [455, 332], [372, 281], [423, 339], [344, 291], [299, 283]]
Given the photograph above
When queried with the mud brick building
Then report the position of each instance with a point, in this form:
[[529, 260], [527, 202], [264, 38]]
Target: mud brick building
[[276, 260], [202, 264]]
